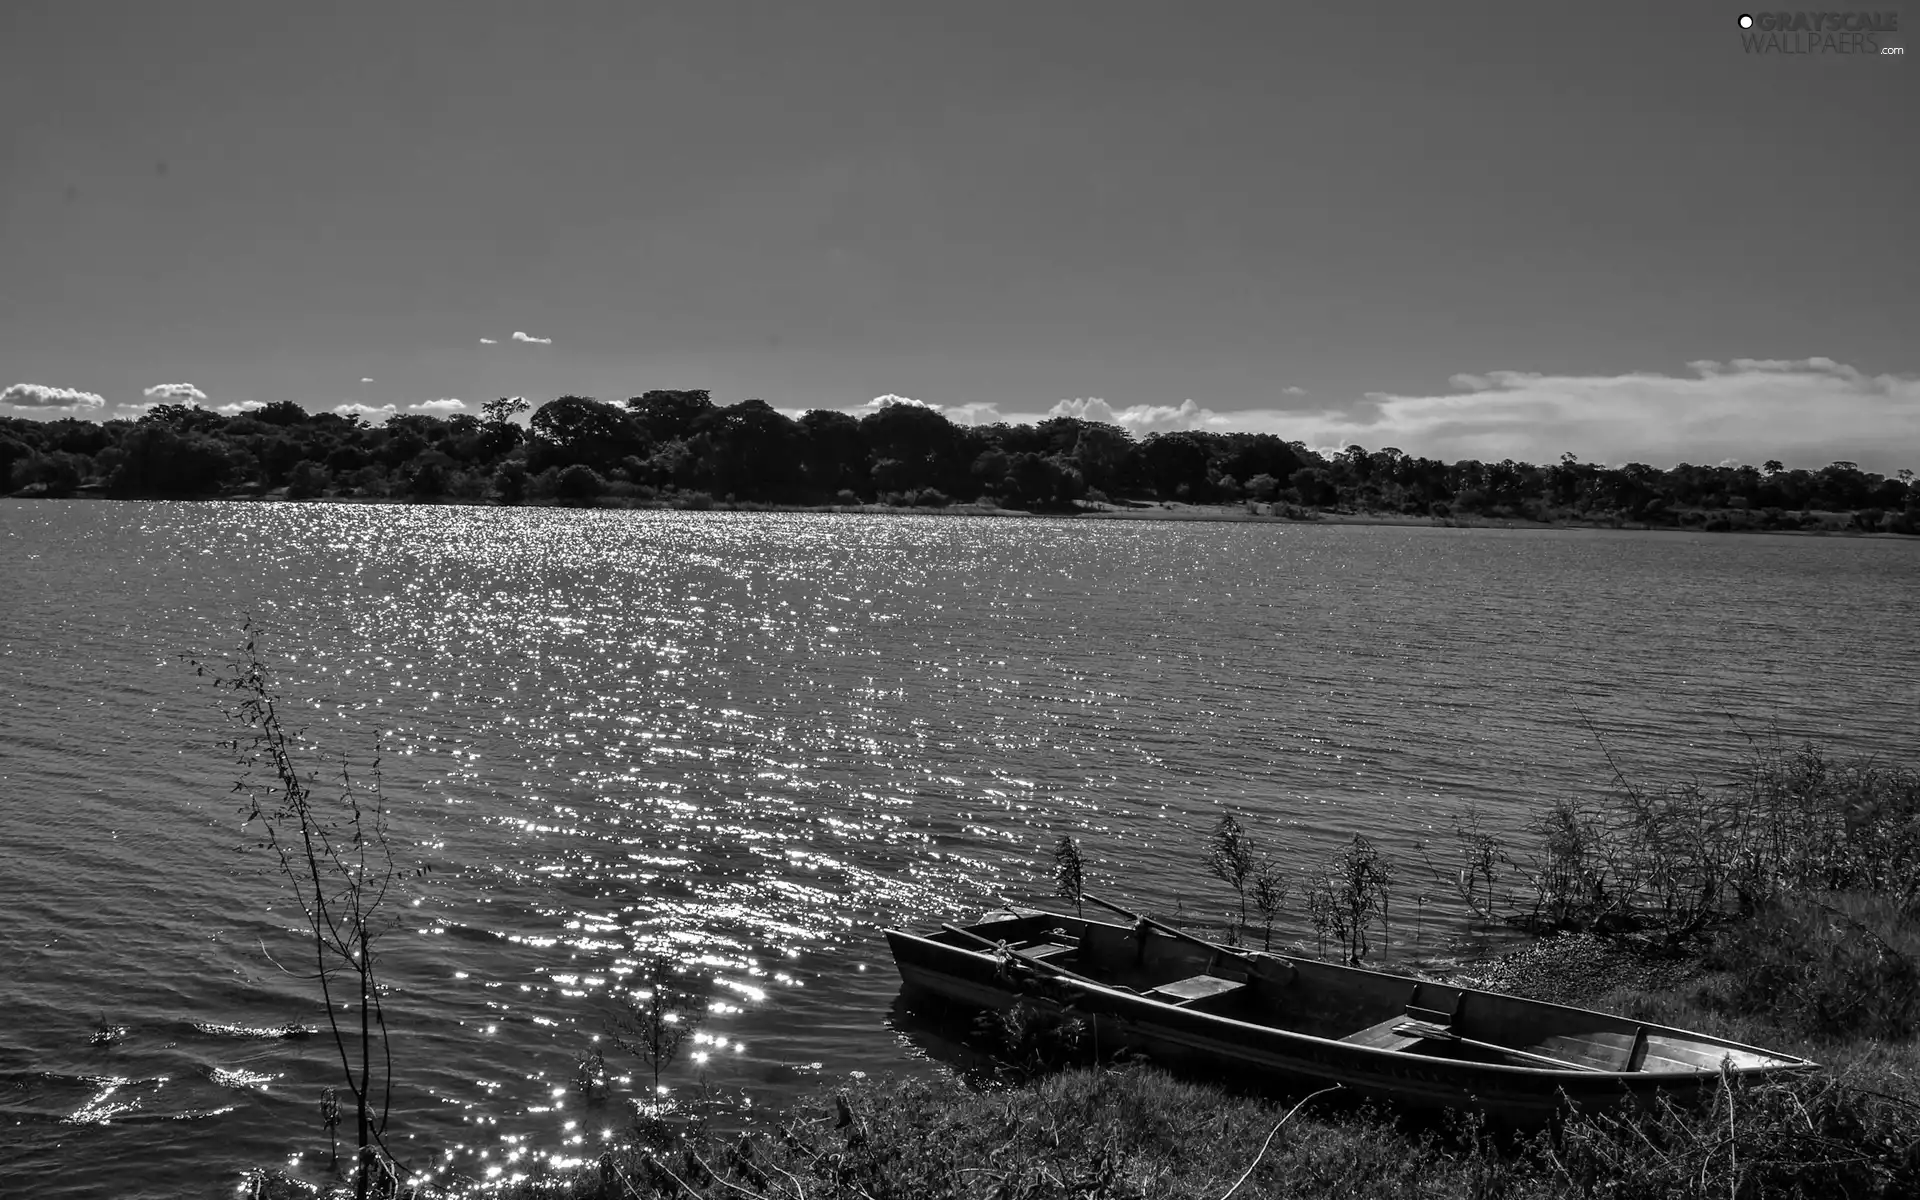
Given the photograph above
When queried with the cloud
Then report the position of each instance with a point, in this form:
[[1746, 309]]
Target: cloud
[[973, 414], [960, 414], [176, 393], [366, 379], [879, 402], [447, 405], [1810, 410], [375, 415], [39, 395], [136, 410], [234, 410], [1143, 419], [489, 341], [1293, 391], [527, 337]]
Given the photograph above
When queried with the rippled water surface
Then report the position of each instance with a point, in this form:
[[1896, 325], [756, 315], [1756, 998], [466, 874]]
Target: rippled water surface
[[750, 740]]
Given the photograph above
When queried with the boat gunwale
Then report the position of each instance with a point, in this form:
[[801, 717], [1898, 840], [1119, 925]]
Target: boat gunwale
[[1782, 1064]]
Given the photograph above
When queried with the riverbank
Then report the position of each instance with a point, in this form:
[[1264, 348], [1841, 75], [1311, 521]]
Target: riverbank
[[1822, 524], [1806, 942], [1134, 1132], [1130, 1131]]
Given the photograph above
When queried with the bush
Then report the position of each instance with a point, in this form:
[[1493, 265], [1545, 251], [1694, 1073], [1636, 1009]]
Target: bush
[[510, 482], [307, 480], [1830, 966], [579, 483]]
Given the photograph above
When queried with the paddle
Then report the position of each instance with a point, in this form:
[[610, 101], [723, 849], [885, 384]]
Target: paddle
[[1421, 1029], [1037, 963]]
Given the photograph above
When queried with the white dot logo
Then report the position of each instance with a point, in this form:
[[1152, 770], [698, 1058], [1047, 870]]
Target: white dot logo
[[1746, 22]]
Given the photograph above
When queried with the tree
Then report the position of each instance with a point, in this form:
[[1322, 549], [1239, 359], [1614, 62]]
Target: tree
[[1315, 487], [280, 412], [307, 480], [162, 460], [1176, 463], [580, 483], [503, 411], [754, 449], [580, 429], [181, 416], [833, 452], [666, 414], [927, 447]]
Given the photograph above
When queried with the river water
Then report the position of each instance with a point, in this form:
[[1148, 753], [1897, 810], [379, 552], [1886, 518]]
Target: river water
[[750, 740]]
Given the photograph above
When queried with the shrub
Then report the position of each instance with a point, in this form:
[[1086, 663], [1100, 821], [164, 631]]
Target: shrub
[[510, 482], [1834, 965], [579, 483], [307, 480]]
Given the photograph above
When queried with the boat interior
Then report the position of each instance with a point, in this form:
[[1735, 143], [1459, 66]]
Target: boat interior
[[1364, 1008]]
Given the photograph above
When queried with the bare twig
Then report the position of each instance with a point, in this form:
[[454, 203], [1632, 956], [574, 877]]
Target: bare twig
[[1244, 1175]]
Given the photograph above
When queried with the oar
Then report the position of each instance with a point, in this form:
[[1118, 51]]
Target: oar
[[1037, 963], [1182, 934], [1420, 1029]]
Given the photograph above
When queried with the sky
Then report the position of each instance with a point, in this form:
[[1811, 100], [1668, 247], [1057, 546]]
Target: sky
[[1465, 230]]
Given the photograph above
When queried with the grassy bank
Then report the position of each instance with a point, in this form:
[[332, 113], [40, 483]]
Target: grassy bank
[[1779, 909], [1133, 1131]]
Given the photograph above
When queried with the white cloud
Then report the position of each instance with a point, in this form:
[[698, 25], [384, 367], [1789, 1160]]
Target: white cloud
[[136, 410], [489, 341], [1293, 391], [39, 395], [366, 379], [960, 414], [176, 393], [375, 415], [973, 414], [879, 402], [446, 405], [234, 410], [1143, 419], [1802, 411], [527, 337]]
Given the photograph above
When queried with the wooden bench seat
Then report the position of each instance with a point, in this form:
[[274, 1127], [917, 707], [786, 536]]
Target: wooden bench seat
[[1047, 949], [1195, 988], [1383, 1036]]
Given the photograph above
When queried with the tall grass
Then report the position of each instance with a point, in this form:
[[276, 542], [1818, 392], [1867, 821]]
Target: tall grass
[[1677, 860]]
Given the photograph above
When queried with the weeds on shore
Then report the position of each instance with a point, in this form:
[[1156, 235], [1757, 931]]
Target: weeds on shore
[[1134, 1132], [1668, 865], [336, 859]]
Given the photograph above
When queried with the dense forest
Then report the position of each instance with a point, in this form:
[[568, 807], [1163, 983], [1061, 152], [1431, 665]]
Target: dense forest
[[679, 448]]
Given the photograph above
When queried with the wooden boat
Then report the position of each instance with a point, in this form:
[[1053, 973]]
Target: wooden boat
[[1189, 1003]]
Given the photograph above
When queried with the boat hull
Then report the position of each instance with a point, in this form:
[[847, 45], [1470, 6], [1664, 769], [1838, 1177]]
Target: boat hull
[[1417, 1074]]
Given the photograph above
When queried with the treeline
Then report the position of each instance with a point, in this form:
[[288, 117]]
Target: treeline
[[679, 447]]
